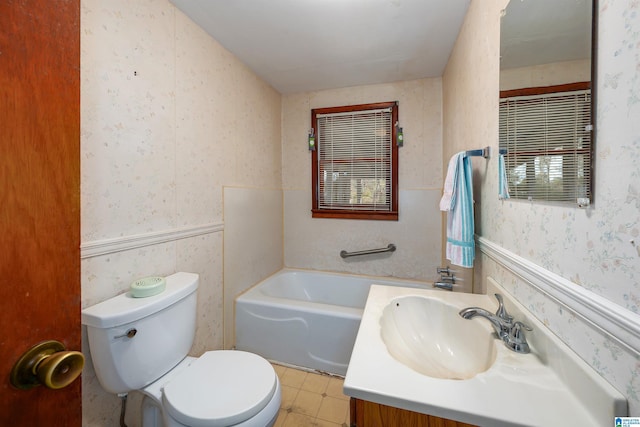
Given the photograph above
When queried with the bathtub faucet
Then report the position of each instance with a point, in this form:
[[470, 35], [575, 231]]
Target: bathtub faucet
[[510, 332], [447, 279], [445, 283]]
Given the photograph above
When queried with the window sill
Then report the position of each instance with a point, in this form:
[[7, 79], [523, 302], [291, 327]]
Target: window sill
[[346, 214]]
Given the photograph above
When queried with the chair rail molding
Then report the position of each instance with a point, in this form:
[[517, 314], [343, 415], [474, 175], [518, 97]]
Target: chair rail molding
[[616, 321], [107, 246]]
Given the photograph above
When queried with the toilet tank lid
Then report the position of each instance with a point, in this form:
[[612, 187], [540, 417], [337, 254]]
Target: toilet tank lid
[[124, 308]]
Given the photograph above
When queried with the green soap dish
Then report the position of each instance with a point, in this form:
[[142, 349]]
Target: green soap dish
[[148, 287]]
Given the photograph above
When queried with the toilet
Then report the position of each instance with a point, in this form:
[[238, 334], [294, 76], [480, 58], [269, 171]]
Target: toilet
[[142, 344]]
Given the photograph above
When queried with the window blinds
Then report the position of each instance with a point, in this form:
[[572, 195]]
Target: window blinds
[[548, 143], [354, 160]]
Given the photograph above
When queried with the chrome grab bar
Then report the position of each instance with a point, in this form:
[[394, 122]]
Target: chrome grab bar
[[390, 248]]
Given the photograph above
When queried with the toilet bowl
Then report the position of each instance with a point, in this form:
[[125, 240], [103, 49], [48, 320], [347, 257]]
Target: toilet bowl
[[141, 344], [220, 388]]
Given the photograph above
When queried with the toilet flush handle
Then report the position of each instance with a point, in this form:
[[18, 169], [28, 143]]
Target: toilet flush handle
[[129, 334]]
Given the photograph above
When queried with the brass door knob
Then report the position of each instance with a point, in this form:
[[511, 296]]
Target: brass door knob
[[49, 364]]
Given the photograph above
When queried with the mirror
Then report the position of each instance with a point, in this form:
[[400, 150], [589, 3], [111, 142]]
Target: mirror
[[545, 42], [546, 107]]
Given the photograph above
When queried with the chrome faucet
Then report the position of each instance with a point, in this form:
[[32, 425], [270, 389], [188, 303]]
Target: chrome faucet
[[445, 282], [443, 270], [447, 279], [508, 331]]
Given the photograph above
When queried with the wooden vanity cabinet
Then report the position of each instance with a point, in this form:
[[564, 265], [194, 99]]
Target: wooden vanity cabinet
[[369, 414]]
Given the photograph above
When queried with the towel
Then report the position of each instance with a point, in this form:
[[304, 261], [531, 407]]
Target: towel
[[449, 184], [457, 199], [503, 185]]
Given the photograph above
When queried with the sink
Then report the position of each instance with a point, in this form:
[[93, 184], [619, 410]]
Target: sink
[[428, 336], [414, 352]]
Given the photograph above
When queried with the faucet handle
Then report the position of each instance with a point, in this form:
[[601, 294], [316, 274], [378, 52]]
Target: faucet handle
[[516, 340], [516, 330], [443, 270], [502, 312], [448, 279]]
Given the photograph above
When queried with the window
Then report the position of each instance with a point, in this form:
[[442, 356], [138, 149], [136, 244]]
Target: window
[[355, 163], [547, 137]]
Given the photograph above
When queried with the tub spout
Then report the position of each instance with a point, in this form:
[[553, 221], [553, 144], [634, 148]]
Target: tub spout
[[447, 286]]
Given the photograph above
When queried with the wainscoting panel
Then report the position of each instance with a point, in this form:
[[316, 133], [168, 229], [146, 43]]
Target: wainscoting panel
[[119, 244], [612, 319]]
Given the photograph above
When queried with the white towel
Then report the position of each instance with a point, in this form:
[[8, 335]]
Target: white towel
[[449, 183], [458, 201]]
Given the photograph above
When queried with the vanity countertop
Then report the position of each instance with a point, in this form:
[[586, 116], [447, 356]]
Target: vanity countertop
[[551, 386]]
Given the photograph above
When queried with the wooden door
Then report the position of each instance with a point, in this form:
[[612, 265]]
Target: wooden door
[[39, 199]]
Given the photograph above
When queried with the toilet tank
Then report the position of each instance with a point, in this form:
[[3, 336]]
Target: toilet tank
[[135, 341]]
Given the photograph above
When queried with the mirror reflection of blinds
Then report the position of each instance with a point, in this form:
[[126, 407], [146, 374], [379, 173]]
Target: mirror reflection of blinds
[[354, 160], [548, 143]]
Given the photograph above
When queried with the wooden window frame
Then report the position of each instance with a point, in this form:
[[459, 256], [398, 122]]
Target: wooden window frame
[[317, 212], [541, 90]]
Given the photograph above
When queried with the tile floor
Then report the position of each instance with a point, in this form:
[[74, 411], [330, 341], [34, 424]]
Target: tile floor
[[311, 400]]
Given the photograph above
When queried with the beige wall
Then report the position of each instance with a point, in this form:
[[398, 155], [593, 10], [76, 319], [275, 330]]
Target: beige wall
[[546, 74], [178, 136], [594, 251], [470, 98], [315, 243], [591, 253], [168, 119]]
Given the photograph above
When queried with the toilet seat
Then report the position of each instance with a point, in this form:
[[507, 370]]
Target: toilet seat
[[221, 388]]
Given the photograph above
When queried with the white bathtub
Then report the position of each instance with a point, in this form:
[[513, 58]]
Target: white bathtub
[[306, 318]]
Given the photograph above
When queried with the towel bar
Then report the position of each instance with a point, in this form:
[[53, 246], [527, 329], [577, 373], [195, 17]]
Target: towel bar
[[484, 152], [390, 248]]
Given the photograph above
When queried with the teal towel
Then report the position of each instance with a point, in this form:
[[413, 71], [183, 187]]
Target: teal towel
[[460, 248]]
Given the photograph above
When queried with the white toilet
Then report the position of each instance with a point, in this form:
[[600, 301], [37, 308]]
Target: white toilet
[[142, 344]]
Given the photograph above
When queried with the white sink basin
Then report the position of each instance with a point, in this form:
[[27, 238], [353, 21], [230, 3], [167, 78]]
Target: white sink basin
[[405, 332], [428, 335]]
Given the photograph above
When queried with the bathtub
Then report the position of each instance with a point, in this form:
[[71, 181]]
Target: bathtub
[[306, 318]]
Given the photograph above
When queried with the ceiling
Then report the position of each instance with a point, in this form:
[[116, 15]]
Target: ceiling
[[537, 32], [307, 45]]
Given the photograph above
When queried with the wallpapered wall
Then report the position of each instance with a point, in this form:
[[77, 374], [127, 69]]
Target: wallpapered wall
[[168, 118], [469, 92], [420, 181], [546, 74], [598, 247]]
